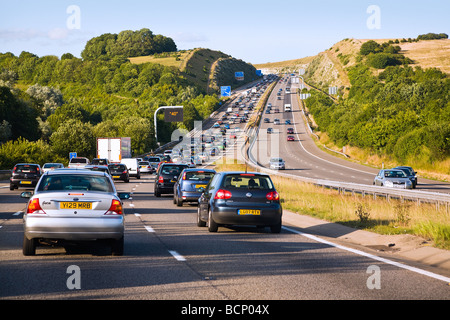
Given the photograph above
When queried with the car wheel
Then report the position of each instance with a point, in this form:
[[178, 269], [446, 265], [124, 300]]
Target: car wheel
[[157, 193], [200, 222], [212, 225], [117, 247], [29, 246], [11, 187], [179, 202], [276, 228]]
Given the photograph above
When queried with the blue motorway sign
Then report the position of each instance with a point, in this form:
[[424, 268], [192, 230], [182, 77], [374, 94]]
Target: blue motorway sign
[[239, 75], [72, 155], [259, 73], [225, 91]]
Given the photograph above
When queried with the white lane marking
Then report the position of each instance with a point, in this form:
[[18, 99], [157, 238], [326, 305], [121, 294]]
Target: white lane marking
[[371, 256], [131, 205], [17, 213], [137, 214], [177, 256], [149, 229]]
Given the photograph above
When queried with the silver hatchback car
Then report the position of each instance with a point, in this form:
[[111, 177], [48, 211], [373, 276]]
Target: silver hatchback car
[[74, 205], [393, 178]]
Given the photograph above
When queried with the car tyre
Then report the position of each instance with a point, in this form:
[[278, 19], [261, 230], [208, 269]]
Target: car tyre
[[117, 247], [212, 225], [157, 193], [29, 246], [200, 222], [276, 228], [179, 202]]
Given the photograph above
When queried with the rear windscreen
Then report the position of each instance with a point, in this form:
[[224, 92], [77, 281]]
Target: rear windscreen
[[75, 182], [249, 181], [172, 170], [25, 169], [198, 175]]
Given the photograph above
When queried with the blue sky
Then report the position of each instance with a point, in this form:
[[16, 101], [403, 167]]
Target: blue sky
[[254, 31]]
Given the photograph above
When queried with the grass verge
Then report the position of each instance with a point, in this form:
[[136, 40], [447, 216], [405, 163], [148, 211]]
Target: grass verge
[[392, 217]]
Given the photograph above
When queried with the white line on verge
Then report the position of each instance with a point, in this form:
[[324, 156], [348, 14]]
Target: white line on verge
[[371, 256]]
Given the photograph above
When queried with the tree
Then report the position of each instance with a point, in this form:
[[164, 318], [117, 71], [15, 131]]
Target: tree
[[369, 47], [74, 136]]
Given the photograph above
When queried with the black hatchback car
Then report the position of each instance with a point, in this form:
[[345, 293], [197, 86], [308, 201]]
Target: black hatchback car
[[166, 176], [240, 198], [119, 171], [190, 181], [25, 175]]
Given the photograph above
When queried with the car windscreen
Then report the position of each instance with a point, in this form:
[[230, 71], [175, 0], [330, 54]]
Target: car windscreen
[[78, 160], [247, 181], [394, 174], [68, 182], [198, 175]]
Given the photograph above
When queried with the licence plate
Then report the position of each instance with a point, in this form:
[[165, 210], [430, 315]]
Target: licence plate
[[76, 205], [197, 186], [249, 212], [116, 177], [25, 182]]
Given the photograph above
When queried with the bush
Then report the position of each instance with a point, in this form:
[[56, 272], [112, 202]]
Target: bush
[[382, 60]]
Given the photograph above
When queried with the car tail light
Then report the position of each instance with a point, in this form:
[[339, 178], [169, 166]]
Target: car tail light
[[184, 176], [34, 207], [161, 179], [116, 208], [273, 195], [222, 194]]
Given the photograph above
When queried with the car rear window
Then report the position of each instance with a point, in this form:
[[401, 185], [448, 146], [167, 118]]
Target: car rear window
[[198, 175], [117, 167], [154, 159], [25, 168], [173, 170], [78, 160], [248, 181], [75, 182]]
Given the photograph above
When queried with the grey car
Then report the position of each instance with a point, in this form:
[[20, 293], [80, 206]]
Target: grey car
[[74, 205], [240, 198], [410, 173], [393, 178], [187, 187]]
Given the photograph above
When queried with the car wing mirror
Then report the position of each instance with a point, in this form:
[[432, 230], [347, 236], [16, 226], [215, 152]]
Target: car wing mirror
[[26, 194], [124, 195]]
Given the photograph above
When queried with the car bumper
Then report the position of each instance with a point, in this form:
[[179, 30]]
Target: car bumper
[[27, 183], [190, 196], [73, 228], [165, 187], [269, 215]]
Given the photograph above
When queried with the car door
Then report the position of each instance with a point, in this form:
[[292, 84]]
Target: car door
[[205, 198]]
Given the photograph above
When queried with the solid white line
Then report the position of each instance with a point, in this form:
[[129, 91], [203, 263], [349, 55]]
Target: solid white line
[[149, 229], [17, 213], [177, 256], [371, 256], [137, 214]]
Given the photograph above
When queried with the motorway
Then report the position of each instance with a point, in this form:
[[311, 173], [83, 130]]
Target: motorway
[[167, 257], [303, 157]]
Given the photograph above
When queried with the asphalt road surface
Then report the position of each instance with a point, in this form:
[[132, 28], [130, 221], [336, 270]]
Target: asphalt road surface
[[167, 257]]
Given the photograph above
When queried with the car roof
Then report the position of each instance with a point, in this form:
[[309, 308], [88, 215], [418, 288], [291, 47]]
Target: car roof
[[243, 172], [199, 169]]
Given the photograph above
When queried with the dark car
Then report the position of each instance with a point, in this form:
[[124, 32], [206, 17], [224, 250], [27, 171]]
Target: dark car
[[412, 175], [25, 175], [119, 171], [240, 198], [166, 176], [186, 189], [290, 130]]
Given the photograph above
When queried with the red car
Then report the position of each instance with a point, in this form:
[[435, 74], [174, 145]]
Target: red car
[[290, 138], [290, 130]]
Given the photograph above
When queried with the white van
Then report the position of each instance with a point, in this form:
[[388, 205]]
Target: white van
[[133, 167]]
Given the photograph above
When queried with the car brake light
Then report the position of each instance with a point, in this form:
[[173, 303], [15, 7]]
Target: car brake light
[[184, 176], [273, 195], [34, 207], [161, 179], [115, 209], [222, 194]]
